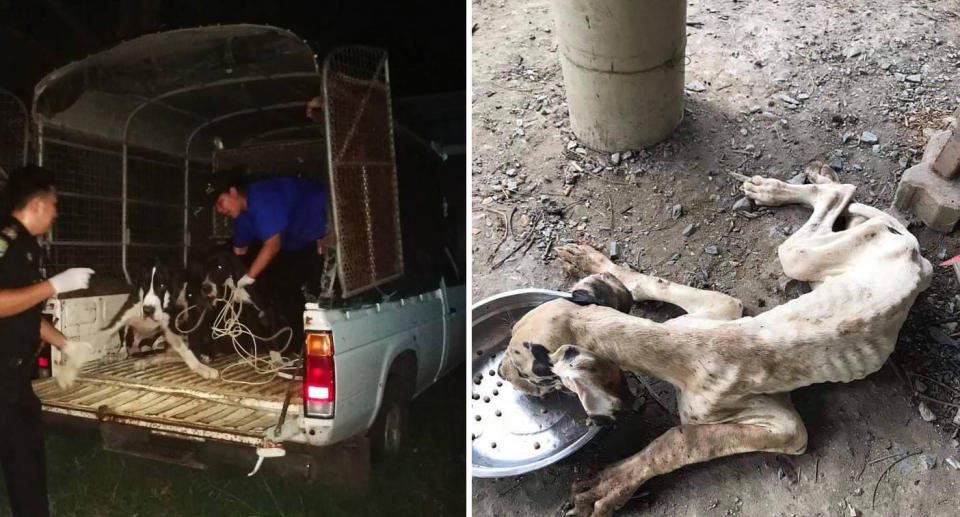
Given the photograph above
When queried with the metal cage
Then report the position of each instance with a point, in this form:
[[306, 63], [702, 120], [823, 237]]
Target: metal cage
[[13, 133], [363, 176]]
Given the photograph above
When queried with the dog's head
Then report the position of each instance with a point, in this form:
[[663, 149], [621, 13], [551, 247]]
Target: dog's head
[[543, 355], [158, 290], [219, 270]]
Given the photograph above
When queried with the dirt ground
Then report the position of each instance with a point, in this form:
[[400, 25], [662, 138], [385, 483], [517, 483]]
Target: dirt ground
[[783, 83]]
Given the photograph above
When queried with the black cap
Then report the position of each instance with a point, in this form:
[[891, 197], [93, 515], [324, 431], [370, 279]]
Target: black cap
[[222, 181]]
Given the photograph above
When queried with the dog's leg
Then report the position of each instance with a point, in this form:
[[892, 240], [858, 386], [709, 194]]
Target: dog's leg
[[193, 363], [780, 430], [828, 200], [169, 356], [582, 260]]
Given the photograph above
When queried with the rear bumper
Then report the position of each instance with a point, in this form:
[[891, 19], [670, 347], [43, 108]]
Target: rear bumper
[[344, 463]]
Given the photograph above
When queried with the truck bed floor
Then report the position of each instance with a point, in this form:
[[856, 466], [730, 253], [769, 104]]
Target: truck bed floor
[[169, 398]]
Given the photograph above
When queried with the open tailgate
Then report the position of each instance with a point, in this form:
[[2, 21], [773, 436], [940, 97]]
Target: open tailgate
[[171, 399]]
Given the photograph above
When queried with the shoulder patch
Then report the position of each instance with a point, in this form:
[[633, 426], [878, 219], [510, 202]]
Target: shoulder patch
[[10, 231], [3, 247]]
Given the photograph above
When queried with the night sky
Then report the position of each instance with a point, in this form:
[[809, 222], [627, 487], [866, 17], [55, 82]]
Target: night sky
[[426, 40]]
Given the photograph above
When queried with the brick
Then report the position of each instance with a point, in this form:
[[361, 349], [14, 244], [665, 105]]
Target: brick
[[931, 197], [947, 160]]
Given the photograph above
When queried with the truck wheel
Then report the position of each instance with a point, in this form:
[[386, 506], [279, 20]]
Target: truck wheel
[[390, 428]]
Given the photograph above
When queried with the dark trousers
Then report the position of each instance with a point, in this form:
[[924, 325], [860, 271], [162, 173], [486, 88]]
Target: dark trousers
[[287, 275], [23, 457]]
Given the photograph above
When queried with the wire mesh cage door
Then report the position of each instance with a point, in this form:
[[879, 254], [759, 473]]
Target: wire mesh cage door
[[363, 176], [13, 133]]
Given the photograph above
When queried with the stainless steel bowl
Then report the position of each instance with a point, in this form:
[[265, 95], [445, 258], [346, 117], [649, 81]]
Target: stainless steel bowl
[[514, 433]]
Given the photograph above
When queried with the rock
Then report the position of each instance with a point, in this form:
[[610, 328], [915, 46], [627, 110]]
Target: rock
[[571, 145], [695, 86], [744, 132], [798, 179], [956, 418], [925, 413], [857, 491], [852, 52], [581, 151], [788, 99], [512, 185], [903, 162], [876, 148], [614, 250], [919, 386], [780, 474], [524, 220], [803, 96], [711, 250], [755, 109], [847, 137], [688, 231], [615, 158], [627, 155], [899, 77], [915, 78], [885, 66], [928, 462], [510, 172], [853, 511], [869, 138], [676, 211], [744, 203], [953, 462], [836, 163], [486, 201], [674, 258]]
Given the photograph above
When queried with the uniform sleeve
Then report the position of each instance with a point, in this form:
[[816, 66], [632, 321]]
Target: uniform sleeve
[[242, 231], [5, 261], [269, 213]]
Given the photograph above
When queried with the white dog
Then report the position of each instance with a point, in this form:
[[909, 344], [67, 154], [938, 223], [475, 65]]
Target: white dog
[[733, 373]]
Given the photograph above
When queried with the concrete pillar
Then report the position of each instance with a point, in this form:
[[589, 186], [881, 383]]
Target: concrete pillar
[[930, 189], [623, 69]]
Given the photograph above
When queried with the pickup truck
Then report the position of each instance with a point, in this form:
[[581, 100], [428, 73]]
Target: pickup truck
[[369, 362], [135, 156]]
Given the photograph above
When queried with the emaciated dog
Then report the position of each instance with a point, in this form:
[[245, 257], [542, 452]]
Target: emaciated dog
[[733, 373]]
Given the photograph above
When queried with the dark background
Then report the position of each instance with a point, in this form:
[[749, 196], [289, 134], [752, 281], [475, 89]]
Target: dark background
[[426, 40]]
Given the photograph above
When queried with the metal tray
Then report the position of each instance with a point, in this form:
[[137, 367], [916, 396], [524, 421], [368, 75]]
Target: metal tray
[[514, 433]]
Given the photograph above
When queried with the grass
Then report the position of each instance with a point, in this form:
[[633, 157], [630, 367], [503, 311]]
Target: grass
[[427, 478]]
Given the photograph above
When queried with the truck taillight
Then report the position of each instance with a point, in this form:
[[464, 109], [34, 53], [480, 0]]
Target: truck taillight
[[318, 380]]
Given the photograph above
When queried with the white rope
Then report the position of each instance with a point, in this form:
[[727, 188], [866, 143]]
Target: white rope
[[176, 321], [227, 325]]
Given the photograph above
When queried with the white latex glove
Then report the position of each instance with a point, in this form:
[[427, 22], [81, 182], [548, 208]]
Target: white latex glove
[[245, 281], [78, 353], [72, 279]]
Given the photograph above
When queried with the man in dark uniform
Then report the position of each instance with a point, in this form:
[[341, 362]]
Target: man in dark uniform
[[30, 202]]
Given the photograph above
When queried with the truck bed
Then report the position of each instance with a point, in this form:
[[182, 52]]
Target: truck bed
[[170, 399]]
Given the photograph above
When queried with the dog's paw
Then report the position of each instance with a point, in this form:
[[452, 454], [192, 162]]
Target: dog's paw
[[820, 173], [768, 191], [599, 497], [206, 372], [578, 260]]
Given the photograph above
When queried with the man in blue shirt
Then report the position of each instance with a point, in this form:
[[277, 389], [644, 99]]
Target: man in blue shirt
[[288, 216]]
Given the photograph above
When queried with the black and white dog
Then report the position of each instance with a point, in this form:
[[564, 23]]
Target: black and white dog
[[157, 299], [221, 271]]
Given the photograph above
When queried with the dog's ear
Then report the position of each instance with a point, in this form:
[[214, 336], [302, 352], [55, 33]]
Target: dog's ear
[[602, 289], [597, 382]]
